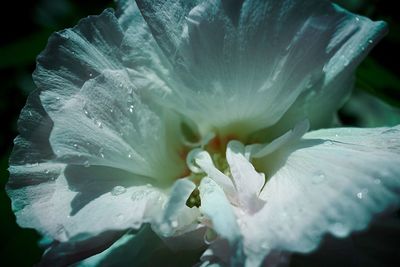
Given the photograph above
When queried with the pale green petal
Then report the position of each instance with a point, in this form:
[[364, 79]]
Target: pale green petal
[[332, 181], [109, 123], [237, 60]]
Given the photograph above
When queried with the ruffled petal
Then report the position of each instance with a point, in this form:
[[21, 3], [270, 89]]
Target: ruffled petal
[[109, 123], [177, 217], [332, 181], [214, 205], [282, 52], [75, 55], [248, 181], [204, 161]]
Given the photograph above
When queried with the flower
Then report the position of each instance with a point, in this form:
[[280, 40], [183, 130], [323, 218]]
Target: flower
[[192, 117]]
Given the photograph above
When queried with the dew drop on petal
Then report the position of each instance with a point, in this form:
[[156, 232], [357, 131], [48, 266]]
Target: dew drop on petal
[[339, 229], [120, 216], [362, 194], [131, 108], [130, 156], [370, 41], [75, 146], [118, 190], [86, 164], [101, 152], [318, 177], [136, 224], [265, 245], [99, 124], [174, 223], [46, 171], [86, 112]]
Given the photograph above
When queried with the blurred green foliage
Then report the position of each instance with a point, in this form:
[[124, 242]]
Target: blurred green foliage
[[20, 43]]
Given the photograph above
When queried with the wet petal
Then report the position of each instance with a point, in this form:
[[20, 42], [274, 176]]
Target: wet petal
[[248, 182], [333, 181]]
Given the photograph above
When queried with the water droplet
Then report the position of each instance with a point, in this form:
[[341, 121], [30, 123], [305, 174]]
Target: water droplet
[[75, 146], [58, 98], [46, 171], [131, 108], [120, 85], [130, 155], [345, 61], [370, 41], [111, 110], [136, 224], [130, 92], [99, 124], [339, 229], [318, 177], [357, 19], [118, 190], [264, 245], [101, 154], [86, 112], [30, 113], [138, 195], [377, 181], [360, 195], [86, 164], [174, 224]]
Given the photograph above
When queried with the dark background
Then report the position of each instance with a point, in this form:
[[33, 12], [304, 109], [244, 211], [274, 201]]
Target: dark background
[[25, 28]]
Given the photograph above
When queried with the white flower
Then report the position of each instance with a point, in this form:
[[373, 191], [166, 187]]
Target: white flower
[[192, 116]]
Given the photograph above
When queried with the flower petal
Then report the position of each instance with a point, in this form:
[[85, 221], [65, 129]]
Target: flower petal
[[204, 161], [216, 207], [248, 181], [257, 150], [332, 181], [176, 215], [280, 51], [118, 129], [75, 55]]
